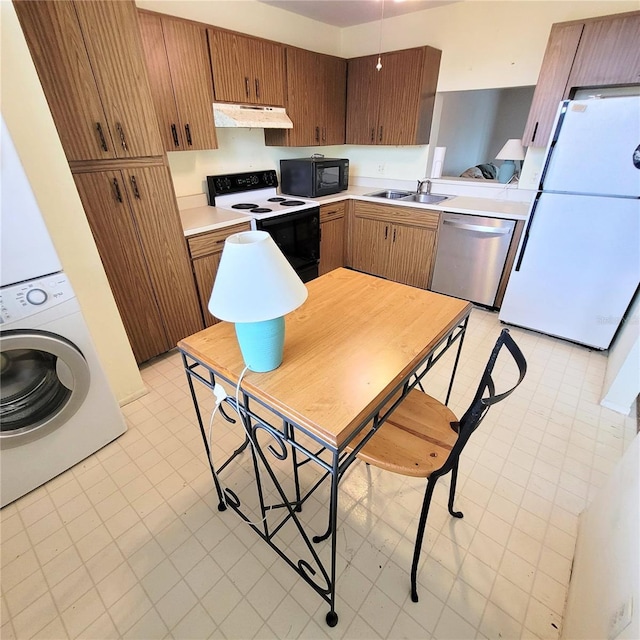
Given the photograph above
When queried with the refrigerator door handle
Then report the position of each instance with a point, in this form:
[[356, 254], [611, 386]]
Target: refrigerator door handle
[[562, 110], [525, 238]]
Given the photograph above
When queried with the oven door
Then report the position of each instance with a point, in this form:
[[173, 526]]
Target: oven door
[[298, 236]]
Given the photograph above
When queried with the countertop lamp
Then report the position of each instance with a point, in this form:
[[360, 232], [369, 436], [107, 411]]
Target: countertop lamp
[[255, 287], [512, 150]]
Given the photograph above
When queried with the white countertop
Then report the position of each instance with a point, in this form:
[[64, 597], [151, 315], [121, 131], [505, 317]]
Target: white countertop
[[198, 217]]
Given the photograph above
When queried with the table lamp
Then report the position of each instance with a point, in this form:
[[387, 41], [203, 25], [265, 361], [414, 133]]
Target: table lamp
[[512, 150], [255, 287]]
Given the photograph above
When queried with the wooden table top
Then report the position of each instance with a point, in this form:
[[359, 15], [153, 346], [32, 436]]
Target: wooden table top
[[354, 339]]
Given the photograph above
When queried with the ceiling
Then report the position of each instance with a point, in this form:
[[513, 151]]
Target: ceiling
[[347, 13]]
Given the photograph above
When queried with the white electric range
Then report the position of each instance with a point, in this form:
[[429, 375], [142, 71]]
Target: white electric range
[[293, 222]]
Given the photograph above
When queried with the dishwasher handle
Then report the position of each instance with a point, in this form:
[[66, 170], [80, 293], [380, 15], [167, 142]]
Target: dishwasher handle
[[496, 231]]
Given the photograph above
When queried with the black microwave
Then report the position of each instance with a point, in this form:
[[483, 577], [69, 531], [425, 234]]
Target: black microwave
[[314, 177]]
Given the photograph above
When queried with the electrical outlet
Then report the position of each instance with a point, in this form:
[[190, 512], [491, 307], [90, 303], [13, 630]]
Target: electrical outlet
[[381, 168], [620, 619]]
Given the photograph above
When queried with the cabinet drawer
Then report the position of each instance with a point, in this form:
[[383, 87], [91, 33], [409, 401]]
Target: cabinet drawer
[[212, 241], [398, 215], [332, 211]]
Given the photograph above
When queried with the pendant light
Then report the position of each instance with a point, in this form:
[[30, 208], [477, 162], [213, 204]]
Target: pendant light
[[379, 65]]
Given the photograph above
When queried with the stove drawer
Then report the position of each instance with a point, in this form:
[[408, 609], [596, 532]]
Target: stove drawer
[[213, 241]]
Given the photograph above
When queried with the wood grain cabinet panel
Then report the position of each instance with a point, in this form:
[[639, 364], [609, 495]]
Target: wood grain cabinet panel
[[206, 250], [137, 230], [552, 82], [179, 71], [332, 236], [88, 59], [609, 53], [593, 53], [397, 243], [315, 101], [246, 70], [393, 105]]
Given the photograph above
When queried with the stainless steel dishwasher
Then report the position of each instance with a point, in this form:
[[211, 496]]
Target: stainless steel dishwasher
[[471, 254]]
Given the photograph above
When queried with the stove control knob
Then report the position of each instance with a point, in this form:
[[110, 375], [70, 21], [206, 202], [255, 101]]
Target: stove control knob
[[37, 297]]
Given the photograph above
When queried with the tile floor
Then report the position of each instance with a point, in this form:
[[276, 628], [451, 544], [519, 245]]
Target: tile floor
[[129, 543]]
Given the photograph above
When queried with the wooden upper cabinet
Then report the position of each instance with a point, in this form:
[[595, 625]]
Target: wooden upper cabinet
[[552, 82], [88, 59], [180, 77], [246, 70], [593, 53], [393, 105], [316, 100], [609, 53]]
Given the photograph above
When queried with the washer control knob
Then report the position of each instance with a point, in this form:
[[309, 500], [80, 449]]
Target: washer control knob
[[37, 296]]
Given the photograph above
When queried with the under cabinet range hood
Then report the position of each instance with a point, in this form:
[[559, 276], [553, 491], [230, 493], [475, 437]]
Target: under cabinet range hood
[[248, 116]]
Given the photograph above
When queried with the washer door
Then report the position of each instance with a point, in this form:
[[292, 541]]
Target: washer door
[[44, 379]]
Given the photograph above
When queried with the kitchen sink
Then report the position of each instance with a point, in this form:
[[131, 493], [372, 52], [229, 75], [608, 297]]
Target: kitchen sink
[[389, 194], [425, 198], [409, 196]]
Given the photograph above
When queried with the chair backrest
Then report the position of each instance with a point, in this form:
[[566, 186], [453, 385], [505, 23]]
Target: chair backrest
[[485, 397]]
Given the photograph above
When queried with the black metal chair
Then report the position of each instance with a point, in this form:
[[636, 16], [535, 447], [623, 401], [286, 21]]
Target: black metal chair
[[423, 438]]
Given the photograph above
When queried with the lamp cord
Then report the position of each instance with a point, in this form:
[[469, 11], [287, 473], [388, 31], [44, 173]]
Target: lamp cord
[[219, 398], [379, 65]]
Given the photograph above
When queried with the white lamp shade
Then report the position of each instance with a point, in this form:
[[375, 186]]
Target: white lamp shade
[[512, 150], [254, 282]]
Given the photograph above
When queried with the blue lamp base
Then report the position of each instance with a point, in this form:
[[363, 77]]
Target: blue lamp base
[[506, 171], [261, 343]]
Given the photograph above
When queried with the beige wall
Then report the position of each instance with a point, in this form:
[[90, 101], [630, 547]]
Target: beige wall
[[31, 126]]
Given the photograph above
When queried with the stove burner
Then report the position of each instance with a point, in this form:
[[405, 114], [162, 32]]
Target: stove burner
[[292, 203], [276, 199], [244, 205], [261, 210]]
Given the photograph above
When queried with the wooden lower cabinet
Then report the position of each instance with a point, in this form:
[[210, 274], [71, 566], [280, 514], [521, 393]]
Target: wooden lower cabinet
[[332, 236], [397, 243], [136, 226], [205, 250]]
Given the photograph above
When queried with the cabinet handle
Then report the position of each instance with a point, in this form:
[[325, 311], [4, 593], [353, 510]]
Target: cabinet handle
[[394, 235], [246, 86], [116, 190], [324, 134], [257, 88], [188, 132], [174, 133], [123, 141], [535, 130], [386, 232], [373, 134], [103, 142], [134, 186], [317, 134], [380, 136]]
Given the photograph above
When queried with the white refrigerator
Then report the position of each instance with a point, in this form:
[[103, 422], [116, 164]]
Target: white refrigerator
[[578, 263]]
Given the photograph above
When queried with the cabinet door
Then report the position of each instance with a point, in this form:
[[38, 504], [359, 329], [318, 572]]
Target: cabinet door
[[609, 53], [269, 76], [165, 249], [204, 270], [112, 39], [160, 81], [363, 101], [411, 256], [399, 84], [53, 34], [552, 83], [371, 245], [186, 45], [333, 72], [332, 237], [108, 211]]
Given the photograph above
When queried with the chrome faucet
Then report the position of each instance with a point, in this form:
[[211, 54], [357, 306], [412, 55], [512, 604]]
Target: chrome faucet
[[424, 186]]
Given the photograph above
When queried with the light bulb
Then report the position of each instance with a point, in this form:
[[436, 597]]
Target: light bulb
[[379, 65]]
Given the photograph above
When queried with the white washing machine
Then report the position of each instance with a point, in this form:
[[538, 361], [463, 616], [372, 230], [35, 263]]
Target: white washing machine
[[56, 406]]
